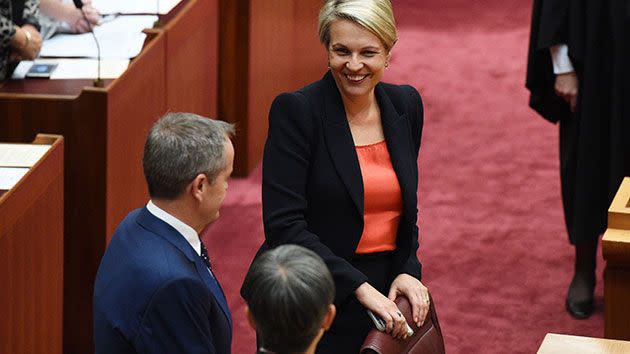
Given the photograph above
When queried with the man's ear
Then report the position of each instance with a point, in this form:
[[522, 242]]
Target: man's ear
[[329, 317], [250, 318], [197, 186]]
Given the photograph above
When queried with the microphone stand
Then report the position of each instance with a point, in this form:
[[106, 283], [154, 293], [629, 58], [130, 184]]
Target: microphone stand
[[98, 82], [157, 23]]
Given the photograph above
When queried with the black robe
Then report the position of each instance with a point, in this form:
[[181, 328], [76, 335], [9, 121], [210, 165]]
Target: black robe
[[594, 141]]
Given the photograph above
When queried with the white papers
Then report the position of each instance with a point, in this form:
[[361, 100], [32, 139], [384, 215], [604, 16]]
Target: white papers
[[76, 68], [134, 6], [21, 155], [119, 38], [10, 176]]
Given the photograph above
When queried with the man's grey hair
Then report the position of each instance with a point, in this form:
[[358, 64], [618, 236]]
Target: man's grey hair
[[288, 291], [179, 147]]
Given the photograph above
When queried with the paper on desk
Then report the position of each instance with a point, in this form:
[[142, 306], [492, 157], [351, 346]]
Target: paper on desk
[[76, 68], [134, 6], [21, 155], [119, 38], [10, 176]]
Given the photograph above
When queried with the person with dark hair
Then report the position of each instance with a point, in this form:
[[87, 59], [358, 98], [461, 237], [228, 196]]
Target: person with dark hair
[[578, 75], [289, 293], [19, 33], [340, 174], [155, 290]]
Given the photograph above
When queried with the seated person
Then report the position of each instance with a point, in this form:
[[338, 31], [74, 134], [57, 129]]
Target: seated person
[[19, 33], [63, 16], [155, 291], [289, 293]]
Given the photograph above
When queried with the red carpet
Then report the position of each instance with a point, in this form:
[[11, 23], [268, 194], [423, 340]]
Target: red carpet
[[493, 243]]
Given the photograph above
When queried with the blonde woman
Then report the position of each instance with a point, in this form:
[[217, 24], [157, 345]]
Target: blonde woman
[[340, 174]]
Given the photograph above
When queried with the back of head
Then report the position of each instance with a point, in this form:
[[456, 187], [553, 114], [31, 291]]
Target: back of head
[[377, 16], [179, 147], [288, 291]]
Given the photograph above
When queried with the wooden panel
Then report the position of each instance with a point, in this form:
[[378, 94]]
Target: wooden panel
[[616, 247], [267, 47], [234, 75], [616, 251], [135, 101], [562, 344], [192, 42], [58, 88], [31, 259], [619, 211], [310, 59], [617, 303], [270, 67], [85, 132]]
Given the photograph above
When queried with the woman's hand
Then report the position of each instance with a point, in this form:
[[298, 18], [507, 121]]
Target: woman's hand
[[373, 300], [416, 293], [566, 86], [26, 43]]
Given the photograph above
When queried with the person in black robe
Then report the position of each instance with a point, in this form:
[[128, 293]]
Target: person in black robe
[[578, 75]]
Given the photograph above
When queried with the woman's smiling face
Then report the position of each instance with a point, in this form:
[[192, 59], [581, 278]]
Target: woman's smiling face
[[357, 59]]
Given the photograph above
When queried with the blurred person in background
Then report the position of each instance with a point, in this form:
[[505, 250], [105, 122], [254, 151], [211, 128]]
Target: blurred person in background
[[578, 75], [20, 38]]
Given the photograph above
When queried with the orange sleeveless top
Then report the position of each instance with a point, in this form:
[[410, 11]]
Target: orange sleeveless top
[[382, 199]]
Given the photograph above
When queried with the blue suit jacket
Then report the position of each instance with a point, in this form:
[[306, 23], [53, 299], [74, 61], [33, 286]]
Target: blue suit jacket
[[154, 294]]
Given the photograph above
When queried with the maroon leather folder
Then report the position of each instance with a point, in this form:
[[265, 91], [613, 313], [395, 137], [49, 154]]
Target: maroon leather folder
[[426, 339]]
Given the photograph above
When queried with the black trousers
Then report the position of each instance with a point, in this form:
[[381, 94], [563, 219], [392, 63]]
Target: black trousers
[[352, 323]]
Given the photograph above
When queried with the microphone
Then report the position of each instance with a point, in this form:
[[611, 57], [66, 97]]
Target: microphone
[[98, 82]]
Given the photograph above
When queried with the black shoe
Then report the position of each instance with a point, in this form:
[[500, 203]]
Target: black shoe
[[580, 310]]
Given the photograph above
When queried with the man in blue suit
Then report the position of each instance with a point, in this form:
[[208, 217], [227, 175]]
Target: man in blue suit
[[155, 291]]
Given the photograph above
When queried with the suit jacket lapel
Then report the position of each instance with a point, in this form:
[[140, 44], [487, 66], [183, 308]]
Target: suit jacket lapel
[[161, 228], [399, 145], [214, 286], [340, 143]]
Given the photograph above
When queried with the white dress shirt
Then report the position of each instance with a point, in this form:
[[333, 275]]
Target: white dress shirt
[[560, 58], [185, 230]]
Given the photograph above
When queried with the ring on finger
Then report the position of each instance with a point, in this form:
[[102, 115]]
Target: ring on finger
[[399, 314]]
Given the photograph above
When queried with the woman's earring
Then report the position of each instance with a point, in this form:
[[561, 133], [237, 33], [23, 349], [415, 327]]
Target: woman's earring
[[386, 65]]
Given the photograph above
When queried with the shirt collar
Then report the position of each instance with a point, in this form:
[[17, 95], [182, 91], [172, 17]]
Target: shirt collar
[[185, 230]]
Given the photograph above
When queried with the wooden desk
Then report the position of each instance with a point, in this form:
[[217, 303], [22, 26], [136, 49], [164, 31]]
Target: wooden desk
[[105, 129], [616, 250], [563, 344], [31, 257]]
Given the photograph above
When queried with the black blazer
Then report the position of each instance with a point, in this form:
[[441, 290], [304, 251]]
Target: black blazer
[[312, 188]]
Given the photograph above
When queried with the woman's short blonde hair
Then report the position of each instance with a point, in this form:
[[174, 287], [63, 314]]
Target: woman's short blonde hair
[[377, 16]]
